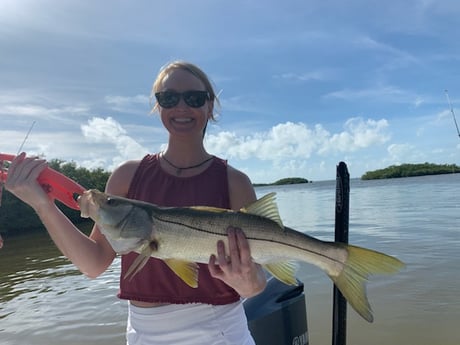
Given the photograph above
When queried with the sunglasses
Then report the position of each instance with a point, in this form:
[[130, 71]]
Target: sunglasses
[[193, 98]]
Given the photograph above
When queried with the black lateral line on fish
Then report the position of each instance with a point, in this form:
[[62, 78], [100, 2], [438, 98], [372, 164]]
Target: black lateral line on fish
[[249, 238]]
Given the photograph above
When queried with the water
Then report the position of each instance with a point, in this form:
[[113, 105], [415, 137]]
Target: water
[[45, 300]]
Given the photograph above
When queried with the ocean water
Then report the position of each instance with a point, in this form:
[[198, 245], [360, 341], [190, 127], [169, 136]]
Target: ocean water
[[45, 300]]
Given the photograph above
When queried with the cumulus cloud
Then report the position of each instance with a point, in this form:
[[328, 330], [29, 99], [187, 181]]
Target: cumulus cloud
[[101, 130], [358, 134], [110, 132], [297, 140]]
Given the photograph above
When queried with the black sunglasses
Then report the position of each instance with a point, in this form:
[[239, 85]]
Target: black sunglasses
[[193, 98]]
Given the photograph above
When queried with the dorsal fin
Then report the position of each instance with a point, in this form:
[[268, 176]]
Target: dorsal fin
[[265, 207], [209, 209]]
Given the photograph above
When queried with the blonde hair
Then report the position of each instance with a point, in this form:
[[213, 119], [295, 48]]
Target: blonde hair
[[191, 68]]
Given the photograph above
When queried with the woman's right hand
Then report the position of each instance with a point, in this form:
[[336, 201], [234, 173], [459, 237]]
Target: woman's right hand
[[22, 181]]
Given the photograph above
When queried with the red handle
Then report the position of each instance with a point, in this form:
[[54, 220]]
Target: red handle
[[55, 184]]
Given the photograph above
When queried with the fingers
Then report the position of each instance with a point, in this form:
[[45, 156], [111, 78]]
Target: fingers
[[22, 180], [221, 253], [24, 168], [238, 252], [243, 247], [225, 263], [214, 268], [233, 245], [234, 265]]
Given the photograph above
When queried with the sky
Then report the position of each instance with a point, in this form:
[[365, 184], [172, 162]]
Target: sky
[[303, 85]]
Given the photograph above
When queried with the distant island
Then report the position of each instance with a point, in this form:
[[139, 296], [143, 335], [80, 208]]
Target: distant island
[[284, 181], [409, 170]]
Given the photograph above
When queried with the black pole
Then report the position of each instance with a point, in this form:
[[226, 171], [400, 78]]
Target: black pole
[[342, 199]]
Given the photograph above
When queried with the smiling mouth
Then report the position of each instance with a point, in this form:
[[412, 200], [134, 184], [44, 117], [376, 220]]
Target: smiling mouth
[[182, 119]]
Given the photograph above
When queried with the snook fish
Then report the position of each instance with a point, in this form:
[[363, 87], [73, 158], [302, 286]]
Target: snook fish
[[182, 236]]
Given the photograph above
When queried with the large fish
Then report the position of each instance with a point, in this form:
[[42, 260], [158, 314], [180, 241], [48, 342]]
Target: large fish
[[182, 236]]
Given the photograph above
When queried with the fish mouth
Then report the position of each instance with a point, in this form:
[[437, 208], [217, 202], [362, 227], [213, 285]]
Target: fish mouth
[[83, 202], [88, 204]]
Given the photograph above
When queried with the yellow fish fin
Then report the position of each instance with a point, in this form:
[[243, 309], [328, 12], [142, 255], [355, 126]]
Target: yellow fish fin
[[139, 262], [352, 279], [185, 270], [265, 207], [283, 271]]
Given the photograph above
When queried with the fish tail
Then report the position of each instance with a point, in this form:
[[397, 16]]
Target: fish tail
[[359, 265]]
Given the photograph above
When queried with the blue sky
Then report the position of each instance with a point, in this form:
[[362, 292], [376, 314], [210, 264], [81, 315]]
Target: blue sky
[[303, 84]]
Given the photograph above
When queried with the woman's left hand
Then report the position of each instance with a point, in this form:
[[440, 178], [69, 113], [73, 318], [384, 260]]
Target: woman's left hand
[[236, 268]]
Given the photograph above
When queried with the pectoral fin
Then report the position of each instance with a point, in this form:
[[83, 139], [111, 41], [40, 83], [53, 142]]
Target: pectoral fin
[[139, 262], [185, 270], [283, 271]]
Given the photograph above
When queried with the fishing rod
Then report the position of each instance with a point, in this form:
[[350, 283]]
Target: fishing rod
[[25, 138], [2, 163], [452, 111]]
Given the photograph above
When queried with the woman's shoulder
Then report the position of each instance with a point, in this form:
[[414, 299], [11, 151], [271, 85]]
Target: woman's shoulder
[[120, 179], [237, 176], [240, 188]]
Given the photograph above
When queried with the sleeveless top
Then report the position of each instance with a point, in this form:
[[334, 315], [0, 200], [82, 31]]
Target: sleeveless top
[[156, 282]]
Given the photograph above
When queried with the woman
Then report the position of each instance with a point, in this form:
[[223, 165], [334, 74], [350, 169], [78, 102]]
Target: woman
[[162, 309]]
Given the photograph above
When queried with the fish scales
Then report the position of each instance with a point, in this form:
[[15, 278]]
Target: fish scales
[[194, 225]]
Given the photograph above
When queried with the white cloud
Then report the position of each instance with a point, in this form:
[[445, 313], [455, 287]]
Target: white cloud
[[399, 152], [41, 112], [407, 153], [318, 75], [287, 141], [382, 93], [108, 131]]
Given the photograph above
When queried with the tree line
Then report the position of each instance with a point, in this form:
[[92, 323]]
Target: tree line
[[284, 181], [409, 170]]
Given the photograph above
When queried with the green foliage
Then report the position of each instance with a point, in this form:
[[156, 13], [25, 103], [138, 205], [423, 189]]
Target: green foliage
[[408, 170], [16, 216], [291, 180], [284, 181]]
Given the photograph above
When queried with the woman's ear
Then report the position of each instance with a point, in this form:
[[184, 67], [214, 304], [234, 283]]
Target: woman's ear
[[210, 110]]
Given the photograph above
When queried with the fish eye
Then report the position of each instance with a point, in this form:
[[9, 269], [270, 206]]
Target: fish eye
[[111, 201]]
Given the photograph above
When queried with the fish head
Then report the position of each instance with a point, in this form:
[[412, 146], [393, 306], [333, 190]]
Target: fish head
[[127, 225]]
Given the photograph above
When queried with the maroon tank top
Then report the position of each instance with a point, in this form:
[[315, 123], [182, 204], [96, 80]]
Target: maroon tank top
[[156, 282]]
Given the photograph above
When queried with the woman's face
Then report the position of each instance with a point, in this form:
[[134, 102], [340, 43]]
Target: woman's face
[[183, 120]]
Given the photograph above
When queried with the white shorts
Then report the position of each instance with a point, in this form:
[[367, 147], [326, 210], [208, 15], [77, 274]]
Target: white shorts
[[188, 324]]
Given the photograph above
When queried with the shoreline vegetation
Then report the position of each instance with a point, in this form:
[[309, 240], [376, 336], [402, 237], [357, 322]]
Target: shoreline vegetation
[[17, 217], [284, 181], [411, 170]]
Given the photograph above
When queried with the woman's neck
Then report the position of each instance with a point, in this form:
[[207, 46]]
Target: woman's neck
[[183, 154]]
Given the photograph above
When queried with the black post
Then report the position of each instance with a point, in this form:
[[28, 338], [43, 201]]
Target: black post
[[342, 199]]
